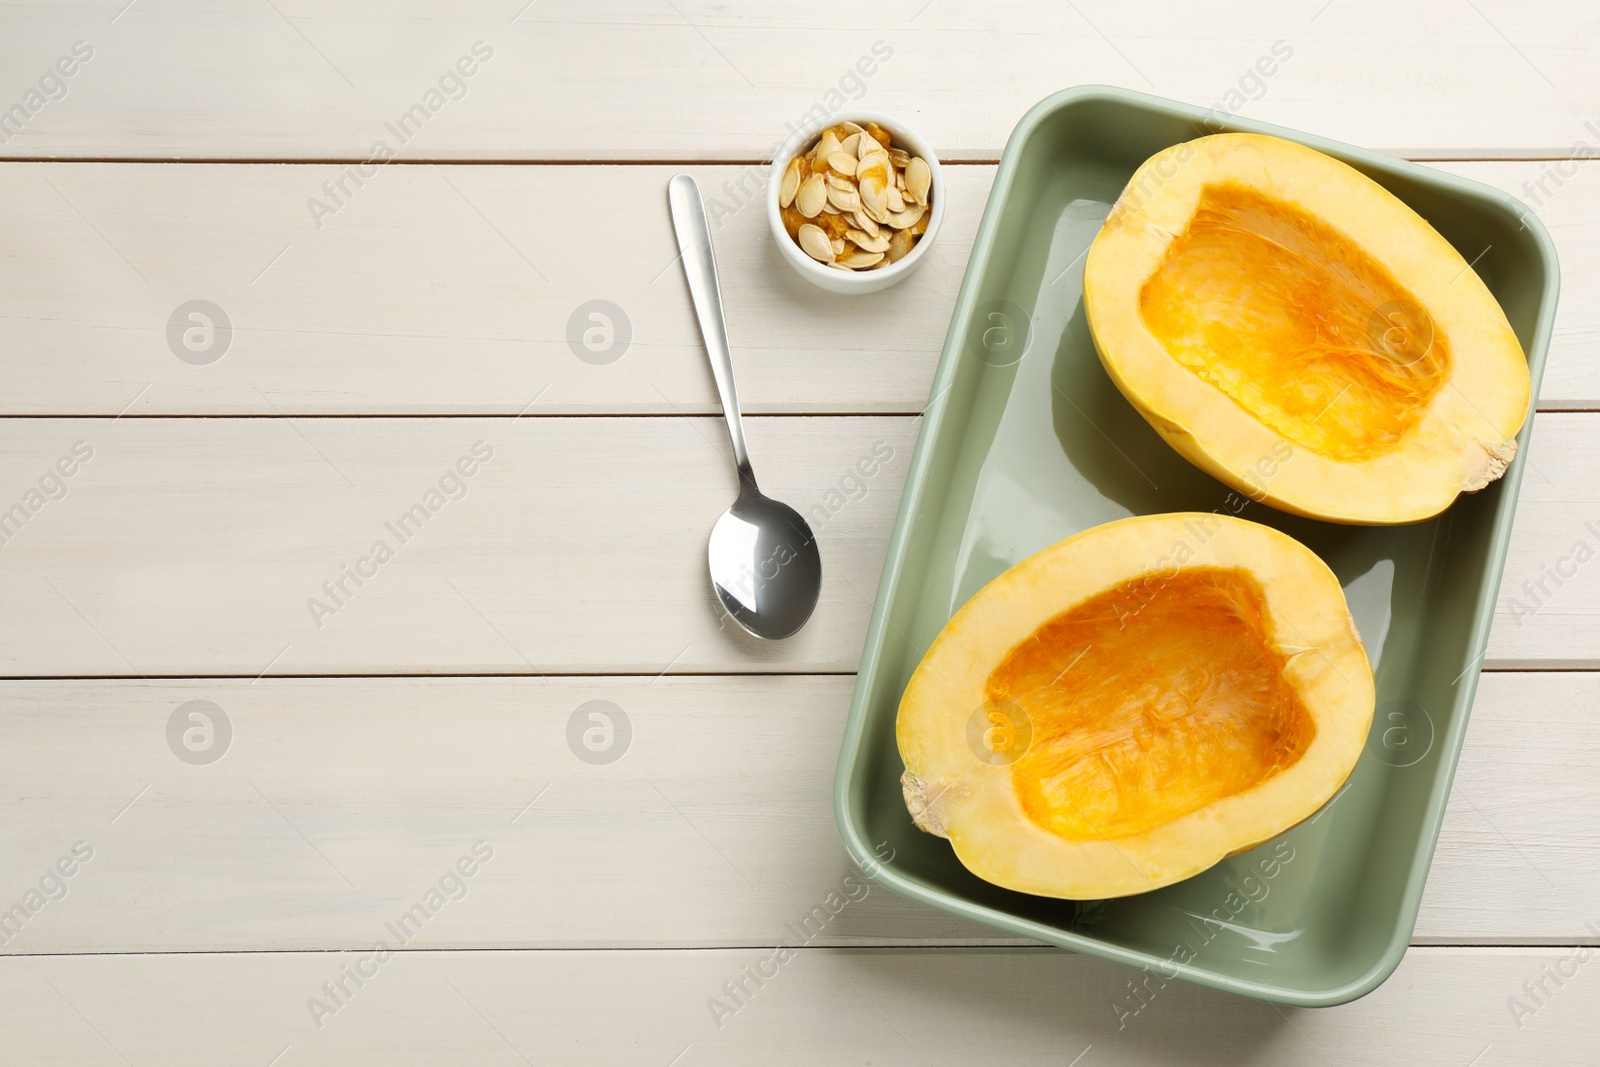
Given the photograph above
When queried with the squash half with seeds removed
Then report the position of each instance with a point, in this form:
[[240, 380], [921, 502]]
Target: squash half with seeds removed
[[1298, 332], [1130, 706]]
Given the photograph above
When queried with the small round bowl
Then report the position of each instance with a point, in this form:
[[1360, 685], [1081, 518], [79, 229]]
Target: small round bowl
[[833, 279]]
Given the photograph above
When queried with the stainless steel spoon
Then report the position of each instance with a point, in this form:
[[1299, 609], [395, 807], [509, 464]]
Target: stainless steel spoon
[[764, 561]]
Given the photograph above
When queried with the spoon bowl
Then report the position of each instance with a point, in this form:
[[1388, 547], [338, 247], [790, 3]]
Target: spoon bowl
[[765, 566]]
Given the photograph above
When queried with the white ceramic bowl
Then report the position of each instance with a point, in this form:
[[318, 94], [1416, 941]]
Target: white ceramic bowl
[[851, 281]]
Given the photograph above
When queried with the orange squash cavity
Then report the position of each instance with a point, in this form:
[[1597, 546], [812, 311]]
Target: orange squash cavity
[[1126, 698]]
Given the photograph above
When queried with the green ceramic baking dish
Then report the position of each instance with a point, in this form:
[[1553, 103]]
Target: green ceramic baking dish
[[1026, 441]]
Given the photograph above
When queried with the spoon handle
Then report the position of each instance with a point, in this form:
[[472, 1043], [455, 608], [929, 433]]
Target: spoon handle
[[700, 268]]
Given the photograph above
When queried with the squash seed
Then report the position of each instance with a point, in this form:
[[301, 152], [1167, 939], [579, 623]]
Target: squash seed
[[868, 243], [843, 162], [861, 260], [791, 183], [899, 245], [918, 179], [843, 201], [904, 220], [874, 197], [815, 243], [812, 196]]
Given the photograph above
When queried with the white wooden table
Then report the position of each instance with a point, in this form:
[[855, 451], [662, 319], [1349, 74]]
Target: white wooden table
[[413, 737]]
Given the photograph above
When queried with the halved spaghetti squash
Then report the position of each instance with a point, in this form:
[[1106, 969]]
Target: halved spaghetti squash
[[1133, 704], [1298, 332]]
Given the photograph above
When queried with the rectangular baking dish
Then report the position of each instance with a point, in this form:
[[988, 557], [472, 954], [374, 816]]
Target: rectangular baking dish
[[1026, 440]]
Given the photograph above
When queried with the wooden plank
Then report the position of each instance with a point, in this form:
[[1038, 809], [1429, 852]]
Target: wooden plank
[[1548, 613], [712, 825], [1446, 1006], [1566, 198], [330, 806], [194, 546], [305, 79], [456, 290], [1545, 867], [434, 290]]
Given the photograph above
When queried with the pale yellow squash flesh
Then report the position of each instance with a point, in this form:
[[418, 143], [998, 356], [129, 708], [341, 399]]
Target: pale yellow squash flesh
[[1128, 707], [1298, 332]]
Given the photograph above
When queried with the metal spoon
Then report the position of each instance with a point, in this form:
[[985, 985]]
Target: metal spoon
[[764, 562]]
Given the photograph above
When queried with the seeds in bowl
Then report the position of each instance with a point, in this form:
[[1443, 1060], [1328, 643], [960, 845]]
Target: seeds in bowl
[[854, 201]]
